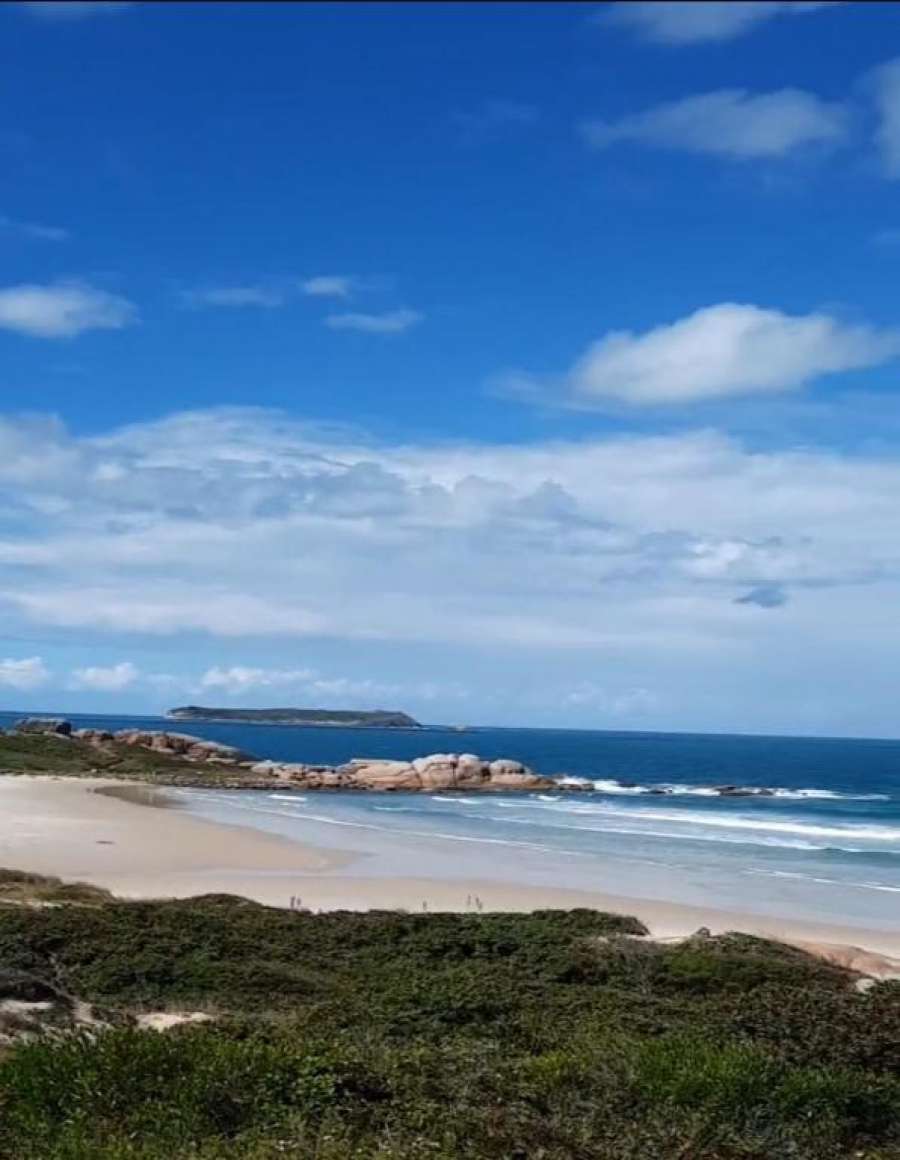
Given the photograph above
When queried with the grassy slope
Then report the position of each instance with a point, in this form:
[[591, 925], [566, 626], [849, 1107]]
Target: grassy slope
[[514, 1037], [69, 757]]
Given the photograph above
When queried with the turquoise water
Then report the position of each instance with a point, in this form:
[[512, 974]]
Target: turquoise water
[[825, 845]]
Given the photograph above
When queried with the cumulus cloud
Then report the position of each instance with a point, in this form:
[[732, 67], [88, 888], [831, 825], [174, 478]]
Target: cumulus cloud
[[237, 679], [730, 123], [112, 679], [307, 685], [697, 21], [612, 703], [390, 322], [32, 230], [232, 296], [163, 608], [62, 309], [329, 286], [243, 523], [337, 286], [25, 674], [720, 351], [511, 571]]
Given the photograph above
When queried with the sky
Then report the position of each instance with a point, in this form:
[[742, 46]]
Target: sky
[[515, 364]]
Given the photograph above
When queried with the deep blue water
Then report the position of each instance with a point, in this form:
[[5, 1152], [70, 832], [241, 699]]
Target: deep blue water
[[826, 846], [838, 764]]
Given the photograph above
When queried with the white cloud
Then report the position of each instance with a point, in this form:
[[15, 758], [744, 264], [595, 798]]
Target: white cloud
[[241, 523], [232, 296], [27, 673], [329, 286], [113, 679], [33, 230], [884, 83], [62, 310], [697, 21], [63, 10], [612, 703], [343, 690], [391, 322], [731, 123], [306, 686], [518, 572], [720, 351], [164, 608], [237, 679]]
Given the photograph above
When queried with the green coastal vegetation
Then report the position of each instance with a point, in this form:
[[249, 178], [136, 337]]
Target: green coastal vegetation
[[547, 1036], [346, 718], [63, 756]]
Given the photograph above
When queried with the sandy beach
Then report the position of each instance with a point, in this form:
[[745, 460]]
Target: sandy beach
[[134, 841]]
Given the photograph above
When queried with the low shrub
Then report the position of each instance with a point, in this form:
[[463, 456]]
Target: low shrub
[[549, 1036]]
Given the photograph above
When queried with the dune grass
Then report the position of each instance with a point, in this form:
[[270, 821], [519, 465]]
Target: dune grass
[[550, 1036], [48, 754], [20, 888]]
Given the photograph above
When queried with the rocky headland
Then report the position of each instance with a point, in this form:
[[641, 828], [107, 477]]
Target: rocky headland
[[183, 759], [437, 771], [340, 718]]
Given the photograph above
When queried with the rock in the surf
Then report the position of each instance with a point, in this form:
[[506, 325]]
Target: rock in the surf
[[58, 726], [437, 771]]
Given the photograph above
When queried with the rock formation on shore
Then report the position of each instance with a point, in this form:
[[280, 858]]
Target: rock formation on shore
[[170, 745], [57, 725], [439, 771]]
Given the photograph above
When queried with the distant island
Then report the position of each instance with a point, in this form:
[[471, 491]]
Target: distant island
[[345, 718]]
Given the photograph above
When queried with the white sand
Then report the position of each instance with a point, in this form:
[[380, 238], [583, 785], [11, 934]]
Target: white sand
[[64, 827], [61, 826]]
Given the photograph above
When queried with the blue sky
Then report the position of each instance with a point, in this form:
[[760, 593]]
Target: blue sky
[[504, 363]]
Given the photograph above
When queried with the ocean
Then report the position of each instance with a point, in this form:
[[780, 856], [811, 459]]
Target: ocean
[[825, 845]]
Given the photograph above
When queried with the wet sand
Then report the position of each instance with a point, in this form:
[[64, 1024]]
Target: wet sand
[[102, 832]]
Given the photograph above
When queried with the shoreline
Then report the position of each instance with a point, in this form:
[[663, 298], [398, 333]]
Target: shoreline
[[100, 831]]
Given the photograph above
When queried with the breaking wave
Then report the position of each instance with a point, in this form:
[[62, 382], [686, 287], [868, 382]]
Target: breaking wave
[[611, 785]]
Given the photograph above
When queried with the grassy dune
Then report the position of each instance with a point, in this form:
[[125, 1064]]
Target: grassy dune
[[47, 754], [551, 1036]]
